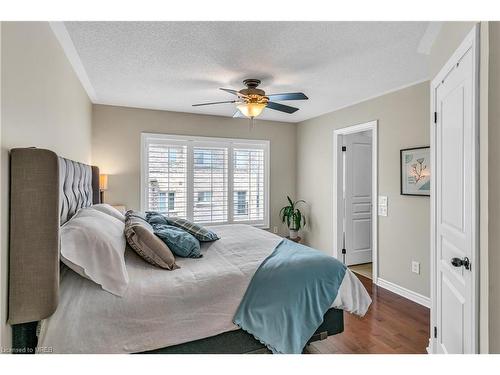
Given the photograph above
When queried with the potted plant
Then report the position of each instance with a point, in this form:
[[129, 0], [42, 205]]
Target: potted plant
[[292, 217]]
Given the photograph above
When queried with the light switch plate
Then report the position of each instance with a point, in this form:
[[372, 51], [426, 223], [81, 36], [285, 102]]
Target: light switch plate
[[382, 205]]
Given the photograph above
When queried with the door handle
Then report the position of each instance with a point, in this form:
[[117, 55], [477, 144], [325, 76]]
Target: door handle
[[457, 262]]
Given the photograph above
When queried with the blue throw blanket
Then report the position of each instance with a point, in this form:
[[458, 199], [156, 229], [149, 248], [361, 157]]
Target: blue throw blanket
[[288, 296]]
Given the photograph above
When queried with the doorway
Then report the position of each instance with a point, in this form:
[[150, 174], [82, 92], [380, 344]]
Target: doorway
[[355, 198]]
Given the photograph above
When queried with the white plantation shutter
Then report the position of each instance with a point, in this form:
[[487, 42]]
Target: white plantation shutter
[[167, 179], [248, 185], [206, 180], [210, 184]]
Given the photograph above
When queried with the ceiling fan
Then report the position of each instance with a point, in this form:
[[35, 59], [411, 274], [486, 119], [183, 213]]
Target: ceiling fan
[[252, 101]]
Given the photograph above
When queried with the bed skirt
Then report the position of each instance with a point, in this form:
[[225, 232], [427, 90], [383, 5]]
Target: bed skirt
[[24, 339]]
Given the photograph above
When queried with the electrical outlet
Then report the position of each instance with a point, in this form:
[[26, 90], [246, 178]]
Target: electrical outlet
[[415, 267], [275, 230]]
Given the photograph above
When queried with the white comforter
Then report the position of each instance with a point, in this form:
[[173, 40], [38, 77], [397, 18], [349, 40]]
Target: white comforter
[[162, 308]]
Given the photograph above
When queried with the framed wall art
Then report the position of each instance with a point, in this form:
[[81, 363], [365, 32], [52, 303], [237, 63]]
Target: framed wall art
[[415, 171]]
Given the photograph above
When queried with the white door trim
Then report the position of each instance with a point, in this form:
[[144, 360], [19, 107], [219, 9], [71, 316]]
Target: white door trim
[[337, 244], [471, 42]]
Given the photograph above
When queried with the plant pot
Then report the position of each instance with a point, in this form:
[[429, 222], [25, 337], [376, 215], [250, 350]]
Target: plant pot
[[293, 234]]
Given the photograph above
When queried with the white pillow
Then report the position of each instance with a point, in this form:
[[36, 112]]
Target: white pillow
[[110, 210], [93, 245]]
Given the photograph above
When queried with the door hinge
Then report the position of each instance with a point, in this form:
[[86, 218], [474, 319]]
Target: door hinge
[[435, 332], [343, 251], [344, 148], [435, 117]]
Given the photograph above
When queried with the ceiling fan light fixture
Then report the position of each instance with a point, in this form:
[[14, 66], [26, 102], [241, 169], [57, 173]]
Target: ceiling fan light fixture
[[251, 110]]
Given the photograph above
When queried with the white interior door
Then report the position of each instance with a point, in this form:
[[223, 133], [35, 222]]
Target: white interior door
[[455, 206], [358, 197]]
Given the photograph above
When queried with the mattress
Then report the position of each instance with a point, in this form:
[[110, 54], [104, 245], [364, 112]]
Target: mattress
[[162, 308]]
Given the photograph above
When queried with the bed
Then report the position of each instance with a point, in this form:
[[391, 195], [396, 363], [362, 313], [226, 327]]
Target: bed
[[189, 310]]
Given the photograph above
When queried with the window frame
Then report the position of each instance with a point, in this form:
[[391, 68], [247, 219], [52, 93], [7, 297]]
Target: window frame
[[230, 143]]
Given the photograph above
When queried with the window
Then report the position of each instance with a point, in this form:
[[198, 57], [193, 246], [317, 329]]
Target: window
[[202, 158], [171, 200], [249, 170], [206, 180], [162, 201], [241, 202], [210, 177], [172, 156], [166, 181], [204, 196]]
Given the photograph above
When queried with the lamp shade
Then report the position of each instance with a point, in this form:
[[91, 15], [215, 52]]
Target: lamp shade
[[103, 182], [251, 109]]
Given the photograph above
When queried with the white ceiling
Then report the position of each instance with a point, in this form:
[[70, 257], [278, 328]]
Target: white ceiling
[[172, 65]]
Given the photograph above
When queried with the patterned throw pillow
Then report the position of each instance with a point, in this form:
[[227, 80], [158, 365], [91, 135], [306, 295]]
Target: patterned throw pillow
[[199, 232]]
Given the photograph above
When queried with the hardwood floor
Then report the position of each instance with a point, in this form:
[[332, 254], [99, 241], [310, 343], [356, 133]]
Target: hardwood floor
[[362, 269], [392, 325]]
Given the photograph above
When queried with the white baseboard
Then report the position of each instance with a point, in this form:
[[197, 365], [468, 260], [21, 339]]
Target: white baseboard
[[403, 292]]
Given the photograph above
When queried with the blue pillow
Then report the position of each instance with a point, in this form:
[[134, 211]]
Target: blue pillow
[[153, 217], [180, 242]]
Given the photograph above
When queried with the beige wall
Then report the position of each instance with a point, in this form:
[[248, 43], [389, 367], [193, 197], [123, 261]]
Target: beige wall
[[116, 148], [447, 41], [403, 121], [494, 186], [43, 105]]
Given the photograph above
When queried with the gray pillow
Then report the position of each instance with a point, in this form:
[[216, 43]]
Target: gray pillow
[[141, 238]]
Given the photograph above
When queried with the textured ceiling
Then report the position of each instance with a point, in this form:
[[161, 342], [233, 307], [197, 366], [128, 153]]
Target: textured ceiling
[[172, 65]]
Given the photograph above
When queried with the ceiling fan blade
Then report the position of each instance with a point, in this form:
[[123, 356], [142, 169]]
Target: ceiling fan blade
[[238, 114], [281, 107], [231, 91], [288, 96], [227, 101]]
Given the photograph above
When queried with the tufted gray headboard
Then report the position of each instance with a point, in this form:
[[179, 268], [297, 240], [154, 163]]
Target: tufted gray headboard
[[76, 187], [45, 192]]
